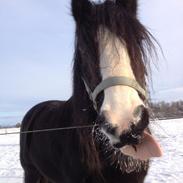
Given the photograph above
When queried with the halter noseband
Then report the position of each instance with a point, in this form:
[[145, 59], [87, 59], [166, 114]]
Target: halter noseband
[[113, 81]]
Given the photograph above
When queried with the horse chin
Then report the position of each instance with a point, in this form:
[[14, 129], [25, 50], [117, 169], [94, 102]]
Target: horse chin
[[115, 156]]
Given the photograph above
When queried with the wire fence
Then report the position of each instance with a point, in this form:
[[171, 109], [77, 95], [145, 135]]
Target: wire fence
[[47, 130], [13, 131]]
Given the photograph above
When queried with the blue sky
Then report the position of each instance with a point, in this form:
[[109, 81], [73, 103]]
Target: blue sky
[[36, 50], [164, 20]]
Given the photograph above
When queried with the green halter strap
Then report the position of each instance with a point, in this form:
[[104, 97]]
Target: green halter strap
[[113, 81]]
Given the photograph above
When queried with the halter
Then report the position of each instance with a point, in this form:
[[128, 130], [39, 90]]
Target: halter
[[110, 82]]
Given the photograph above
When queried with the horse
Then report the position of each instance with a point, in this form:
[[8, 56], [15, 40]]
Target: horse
[[109, 138]]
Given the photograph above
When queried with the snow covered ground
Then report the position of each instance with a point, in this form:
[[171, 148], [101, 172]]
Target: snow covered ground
[[10, 169], [168, 169]]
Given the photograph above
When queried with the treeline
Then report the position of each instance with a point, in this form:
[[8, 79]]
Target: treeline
[[17, 125], [164, 110]]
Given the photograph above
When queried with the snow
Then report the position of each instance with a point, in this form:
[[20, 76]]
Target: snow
[[167, 169], [10, 168]]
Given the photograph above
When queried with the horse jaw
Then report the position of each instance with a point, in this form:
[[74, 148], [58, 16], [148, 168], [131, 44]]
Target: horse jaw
[[119, 101]]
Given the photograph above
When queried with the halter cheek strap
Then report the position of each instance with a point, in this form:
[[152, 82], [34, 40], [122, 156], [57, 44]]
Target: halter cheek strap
[[113, 81]]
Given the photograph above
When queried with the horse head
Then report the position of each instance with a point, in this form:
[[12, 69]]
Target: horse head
[[112, 55]]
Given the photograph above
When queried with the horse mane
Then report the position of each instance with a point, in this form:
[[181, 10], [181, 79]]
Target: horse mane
[[140, 47]]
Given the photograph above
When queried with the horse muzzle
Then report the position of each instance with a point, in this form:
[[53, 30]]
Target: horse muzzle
[[136, 141], [134, 135]]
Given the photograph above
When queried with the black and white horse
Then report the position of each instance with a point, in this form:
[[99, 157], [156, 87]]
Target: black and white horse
[[112, 49]]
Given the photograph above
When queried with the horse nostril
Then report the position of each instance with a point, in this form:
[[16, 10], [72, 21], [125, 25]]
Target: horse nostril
[[137, 113], [143, 121]]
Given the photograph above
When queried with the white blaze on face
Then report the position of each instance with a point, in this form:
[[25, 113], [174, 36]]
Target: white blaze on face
[[119, 101]]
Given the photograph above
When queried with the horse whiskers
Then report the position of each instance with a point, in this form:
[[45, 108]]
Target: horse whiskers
[[115, 157]]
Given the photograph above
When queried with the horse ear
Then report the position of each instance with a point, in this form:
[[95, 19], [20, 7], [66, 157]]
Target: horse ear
[[129, 5], [81, 9]]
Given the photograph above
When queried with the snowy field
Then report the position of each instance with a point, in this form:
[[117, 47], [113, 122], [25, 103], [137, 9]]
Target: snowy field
[[168, 169]]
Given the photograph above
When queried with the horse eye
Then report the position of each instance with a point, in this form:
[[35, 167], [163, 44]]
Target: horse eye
[[100, 99]]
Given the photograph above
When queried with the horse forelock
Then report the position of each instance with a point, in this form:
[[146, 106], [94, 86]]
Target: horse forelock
[[126, 27]]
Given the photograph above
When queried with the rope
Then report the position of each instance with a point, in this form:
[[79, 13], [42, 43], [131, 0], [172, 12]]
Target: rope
[[49, 130]]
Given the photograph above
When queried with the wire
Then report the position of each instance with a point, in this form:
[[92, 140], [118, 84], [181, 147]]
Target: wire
[[50, 130]]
